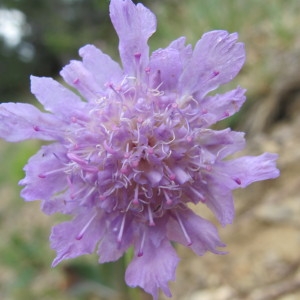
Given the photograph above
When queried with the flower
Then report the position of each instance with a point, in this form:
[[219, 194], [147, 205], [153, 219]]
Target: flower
[[134, 149]]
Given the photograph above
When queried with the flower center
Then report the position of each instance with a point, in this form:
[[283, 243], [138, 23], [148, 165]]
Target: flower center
[[136, 154]]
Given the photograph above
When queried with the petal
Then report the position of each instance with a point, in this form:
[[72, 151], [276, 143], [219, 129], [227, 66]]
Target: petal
[[39, 185], [20, 121], [77, 76], [134, 25], [166, 65], [248, 169], [216, 60], [185, 51], [220, 107], [56, 98], [219, 144], [191, 230], [219, 200], [103, 68], [154, 268], [77, 237]]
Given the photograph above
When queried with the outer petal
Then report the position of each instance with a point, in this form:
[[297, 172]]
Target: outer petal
[[247, 169], [134, 25], [185, 51], [220, 107], [167, 66], [216, 60], [56, 98], [220, 200], [199, 234], [39, 185], [219, 144], [154, 268], [20, 121], [77, 237], [77, 76], [103, 68]]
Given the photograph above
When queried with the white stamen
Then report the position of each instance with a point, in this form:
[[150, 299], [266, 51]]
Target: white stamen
[[141, 249], [83, 230], [120, 235], [187, 237], [151, 222]]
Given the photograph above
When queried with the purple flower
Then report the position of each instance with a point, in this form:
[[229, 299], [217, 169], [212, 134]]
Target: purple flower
[[134, 149]]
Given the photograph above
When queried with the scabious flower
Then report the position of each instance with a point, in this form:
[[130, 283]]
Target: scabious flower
[[135, 149]]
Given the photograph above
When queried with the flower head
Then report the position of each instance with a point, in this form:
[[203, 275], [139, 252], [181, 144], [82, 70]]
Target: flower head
[[134, 149]]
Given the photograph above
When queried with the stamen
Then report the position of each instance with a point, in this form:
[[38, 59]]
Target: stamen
[[127, 153], [44, 175], [171, 174], [187, 237], [88, 194], [169, 200], [136, 195], [151, 222], [120, 235], [198, 194], [83, 230], [74, 194], [109, 149], [82, 163], [141, 249]]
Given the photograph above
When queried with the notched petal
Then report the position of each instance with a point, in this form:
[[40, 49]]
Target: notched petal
[[191, 230], [153, 269], [103, 68], [134, 25], [77, 237], [21, 121], [216, 60], [44, 173], [56, 98]]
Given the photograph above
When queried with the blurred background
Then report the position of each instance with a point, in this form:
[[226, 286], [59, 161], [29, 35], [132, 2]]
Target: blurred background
[[39, 37]]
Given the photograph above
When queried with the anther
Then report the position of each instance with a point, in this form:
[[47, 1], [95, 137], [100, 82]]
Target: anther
[[237, 180], [102, 197], [189, 138], [226, 114], [214, 74]]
